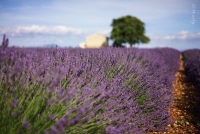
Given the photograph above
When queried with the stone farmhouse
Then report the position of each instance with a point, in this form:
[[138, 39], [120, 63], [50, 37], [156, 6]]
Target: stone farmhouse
[[95, 41]]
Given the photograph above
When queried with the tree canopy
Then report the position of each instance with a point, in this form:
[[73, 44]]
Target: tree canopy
[[128, 29]]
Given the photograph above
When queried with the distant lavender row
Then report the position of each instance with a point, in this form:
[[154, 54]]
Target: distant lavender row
[[113, 90], [192, 66]]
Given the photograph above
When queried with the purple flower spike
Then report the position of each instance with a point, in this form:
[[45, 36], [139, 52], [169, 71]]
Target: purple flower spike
[[5, 42], [25, 123], [50, 116], [61, 124], [54, 129], [15, 103]]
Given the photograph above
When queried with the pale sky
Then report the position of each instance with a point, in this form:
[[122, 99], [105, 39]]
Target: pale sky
[[28, 23]]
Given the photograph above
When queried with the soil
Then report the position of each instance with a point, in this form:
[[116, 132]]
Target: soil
[[185, 112]]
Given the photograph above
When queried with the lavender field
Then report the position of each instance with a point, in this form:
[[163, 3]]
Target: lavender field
[[78, 91]]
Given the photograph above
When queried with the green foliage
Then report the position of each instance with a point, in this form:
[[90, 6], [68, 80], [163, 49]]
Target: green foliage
[[184, 56], [112, 72], [181, 122], [128, 29]]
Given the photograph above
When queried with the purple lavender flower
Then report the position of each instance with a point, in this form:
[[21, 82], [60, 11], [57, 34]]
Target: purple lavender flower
[[25, 123], [15, 103]]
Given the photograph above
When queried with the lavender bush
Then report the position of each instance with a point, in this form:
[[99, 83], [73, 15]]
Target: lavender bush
[[192, 65], [109, 90], [192, 69]]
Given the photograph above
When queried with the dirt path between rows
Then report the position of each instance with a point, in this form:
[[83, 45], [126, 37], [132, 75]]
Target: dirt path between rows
[[185, 105]]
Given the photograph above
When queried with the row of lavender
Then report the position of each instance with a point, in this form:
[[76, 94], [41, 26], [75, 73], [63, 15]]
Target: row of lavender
[[192, 69], [192, 65], [112, 90]]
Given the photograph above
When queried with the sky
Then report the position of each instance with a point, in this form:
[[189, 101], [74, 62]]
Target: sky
[[36, 23]]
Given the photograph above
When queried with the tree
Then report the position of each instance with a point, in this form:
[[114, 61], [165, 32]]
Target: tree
[[128, 29]]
